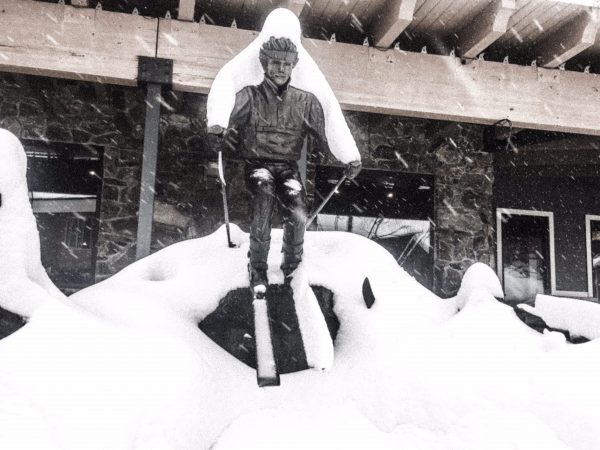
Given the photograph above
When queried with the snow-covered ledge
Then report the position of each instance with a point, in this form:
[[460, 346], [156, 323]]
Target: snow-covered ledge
[[578, 317]]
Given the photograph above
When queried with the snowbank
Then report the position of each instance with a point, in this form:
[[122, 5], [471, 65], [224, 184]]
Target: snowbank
[[24, 284], [578, 317], [124, 366], [245, 70]]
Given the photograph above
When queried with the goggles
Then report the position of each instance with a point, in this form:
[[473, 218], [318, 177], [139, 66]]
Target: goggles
[[290, 57]]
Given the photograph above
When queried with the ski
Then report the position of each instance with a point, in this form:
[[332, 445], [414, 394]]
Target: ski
[[266, 366]]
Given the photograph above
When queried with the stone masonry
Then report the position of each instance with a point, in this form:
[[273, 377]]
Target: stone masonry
[[463, 222], [188, 200], [85, 113]]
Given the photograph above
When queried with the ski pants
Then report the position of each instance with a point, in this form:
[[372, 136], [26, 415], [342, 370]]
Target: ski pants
[[269, 181]]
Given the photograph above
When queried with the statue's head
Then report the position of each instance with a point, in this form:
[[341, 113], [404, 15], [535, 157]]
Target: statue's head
[[278, 57]]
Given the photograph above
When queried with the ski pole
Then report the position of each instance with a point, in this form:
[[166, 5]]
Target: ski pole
[[224, 193], [325, 200]]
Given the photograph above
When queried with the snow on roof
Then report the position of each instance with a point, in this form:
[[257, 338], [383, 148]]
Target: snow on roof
[[245, 70]]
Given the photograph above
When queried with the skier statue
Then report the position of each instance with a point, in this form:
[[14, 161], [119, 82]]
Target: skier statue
[[268, 126], [264, 105]]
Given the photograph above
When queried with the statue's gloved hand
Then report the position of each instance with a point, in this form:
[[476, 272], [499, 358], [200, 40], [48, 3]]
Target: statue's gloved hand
[[231, 140], [352, 169], [222, 140], [214, 138]]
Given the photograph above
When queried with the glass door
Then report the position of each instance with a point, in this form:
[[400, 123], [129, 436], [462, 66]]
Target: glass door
[[524, 251], [593, 241]]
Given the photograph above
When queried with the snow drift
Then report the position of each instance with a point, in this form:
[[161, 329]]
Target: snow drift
[[581, 318], [123, 364], [24, 284]]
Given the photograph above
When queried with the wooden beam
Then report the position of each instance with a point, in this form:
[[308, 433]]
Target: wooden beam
[[394, 17], [65, 42], [186, 10], [404, 83], [590, 3], [570, 40], [80, 3], [78, 43], [486, 28], [296, 6]]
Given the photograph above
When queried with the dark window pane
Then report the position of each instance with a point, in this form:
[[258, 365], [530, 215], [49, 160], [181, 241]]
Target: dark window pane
[[525, 257]]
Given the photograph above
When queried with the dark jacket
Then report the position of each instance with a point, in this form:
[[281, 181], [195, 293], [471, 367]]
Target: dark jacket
[[272, 123]]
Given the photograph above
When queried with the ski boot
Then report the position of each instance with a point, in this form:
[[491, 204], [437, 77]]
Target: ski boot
[[288, 276], [258, 281], [292, 256]]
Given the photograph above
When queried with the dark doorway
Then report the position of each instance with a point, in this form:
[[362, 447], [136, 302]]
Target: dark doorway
[[65, 185], [525, 253], [393, 209]]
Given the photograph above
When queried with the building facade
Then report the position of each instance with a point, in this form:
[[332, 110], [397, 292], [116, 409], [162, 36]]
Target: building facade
[[439, 194]]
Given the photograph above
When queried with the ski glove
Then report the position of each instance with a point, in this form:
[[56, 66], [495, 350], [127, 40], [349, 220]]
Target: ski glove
[[352, 169], [221, 140]]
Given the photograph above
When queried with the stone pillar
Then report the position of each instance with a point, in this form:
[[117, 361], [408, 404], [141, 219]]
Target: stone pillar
[[121, 182], [118, 212], [463, 206]]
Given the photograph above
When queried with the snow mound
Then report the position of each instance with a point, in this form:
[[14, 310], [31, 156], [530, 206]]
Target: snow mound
[[578, 317], [245, 70], [123, 364], [24, 284], [479, 282]]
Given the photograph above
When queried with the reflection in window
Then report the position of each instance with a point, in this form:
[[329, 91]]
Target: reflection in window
[[65, 183], [409, 241], [78, 232], [67, 247], [525, 257]]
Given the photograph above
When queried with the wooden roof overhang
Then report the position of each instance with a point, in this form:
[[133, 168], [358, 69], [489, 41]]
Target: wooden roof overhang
[[385, 76]]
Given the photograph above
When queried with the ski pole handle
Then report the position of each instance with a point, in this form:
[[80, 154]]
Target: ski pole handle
[[324, 202], [224, 194]]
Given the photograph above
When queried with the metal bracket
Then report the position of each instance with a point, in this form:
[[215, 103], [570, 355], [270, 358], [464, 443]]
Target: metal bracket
[[155, 70], [498, 136]]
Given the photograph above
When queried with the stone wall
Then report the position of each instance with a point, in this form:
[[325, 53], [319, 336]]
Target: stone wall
[[464, 178], [464, 214], [188, 200], [84, 113]]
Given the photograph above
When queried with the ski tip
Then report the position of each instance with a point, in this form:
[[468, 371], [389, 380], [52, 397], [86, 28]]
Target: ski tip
[[271, 381], [367, 292]]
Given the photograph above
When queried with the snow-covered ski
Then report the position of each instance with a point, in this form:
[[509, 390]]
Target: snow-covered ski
[[266, 366]]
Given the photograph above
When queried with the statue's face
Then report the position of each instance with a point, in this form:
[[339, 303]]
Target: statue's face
[[278, 70]]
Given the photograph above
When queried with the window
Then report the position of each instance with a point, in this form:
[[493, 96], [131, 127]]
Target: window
[[592, 232], [390, 208], [78, 231], [65, 182], [525, 246]]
